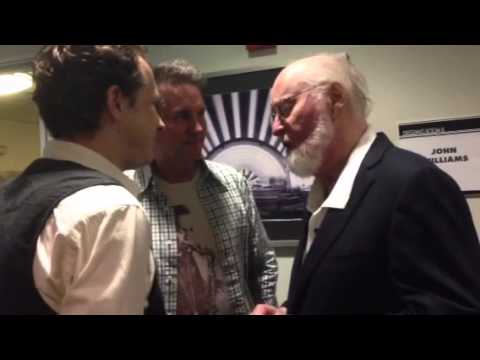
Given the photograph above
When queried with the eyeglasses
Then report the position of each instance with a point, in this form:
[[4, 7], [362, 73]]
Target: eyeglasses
[[285, 107]]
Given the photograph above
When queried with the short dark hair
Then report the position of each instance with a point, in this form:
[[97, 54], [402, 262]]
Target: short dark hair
[[178, 72], [71, 83]]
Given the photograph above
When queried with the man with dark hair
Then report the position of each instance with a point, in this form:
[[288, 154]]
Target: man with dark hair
[[73, 237], [210, 245]]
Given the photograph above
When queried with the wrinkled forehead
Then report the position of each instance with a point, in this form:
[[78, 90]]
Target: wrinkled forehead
[[290, 80], [308, 72], [180, 96]]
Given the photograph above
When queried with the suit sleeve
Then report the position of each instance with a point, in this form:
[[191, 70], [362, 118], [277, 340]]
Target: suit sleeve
[[434, 249]]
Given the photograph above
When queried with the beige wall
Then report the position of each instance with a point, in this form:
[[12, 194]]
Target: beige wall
[[407, 83], [19, 133], [22, 142], [19, 128]]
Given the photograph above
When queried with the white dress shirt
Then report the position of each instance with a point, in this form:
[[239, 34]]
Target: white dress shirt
[[340, 194], [94, 254]]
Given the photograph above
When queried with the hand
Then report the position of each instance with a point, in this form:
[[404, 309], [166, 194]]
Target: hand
[[269, 310]]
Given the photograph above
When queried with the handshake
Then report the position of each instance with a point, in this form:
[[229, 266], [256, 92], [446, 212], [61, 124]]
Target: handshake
[[265, 309]]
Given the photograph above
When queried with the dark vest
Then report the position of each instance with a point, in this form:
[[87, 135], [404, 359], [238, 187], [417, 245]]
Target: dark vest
[[26, 203]]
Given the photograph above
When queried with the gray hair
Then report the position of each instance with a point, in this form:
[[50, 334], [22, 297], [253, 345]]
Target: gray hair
[[178, 72], [339, 68], [360, 90]]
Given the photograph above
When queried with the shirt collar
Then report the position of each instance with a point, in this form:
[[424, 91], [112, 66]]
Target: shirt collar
[[340, 194], [143, 176], [68, 151]]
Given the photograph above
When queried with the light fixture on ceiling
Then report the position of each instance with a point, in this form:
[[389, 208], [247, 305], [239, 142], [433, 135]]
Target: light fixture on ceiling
[[14, 83]]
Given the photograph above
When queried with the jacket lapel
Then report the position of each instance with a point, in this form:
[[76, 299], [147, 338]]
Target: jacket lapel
[[337, 219], [297, 263]]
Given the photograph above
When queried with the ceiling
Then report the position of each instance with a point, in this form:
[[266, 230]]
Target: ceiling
[[11, 55]]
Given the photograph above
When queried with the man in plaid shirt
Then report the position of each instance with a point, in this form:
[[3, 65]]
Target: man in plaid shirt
[[211, 249]]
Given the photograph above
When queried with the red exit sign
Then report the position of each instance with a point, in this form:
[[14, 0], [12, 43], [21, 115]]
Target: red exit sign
[[253, 48]]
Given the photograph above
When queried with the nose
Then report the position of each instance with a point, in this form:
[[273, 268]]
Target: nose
[[278, 128], [161, 124], [199, 124]]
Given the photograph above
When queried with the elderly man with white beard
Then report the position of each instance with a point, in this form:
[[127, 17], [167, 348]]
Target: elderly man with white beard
[[388, 231]]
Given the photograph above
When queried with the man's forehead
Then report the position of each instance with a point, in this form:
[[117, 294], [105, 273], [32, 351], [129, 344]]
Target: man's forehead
[[290, 80], [179, 96], [171, 93], [144, 66], [178, 89]]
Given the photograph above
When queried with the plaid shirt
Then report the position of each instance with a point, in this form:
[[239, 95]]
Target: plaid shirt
[[249, 262]]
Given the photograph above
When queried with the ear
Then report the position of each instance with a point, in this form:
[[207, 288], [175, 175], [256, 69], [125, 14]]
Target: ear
[[115, 104], [337, 97]]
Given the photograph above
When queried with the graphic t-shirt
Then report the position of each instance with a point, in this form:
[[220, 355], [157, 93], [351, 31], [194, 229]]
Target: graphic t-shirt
[[201, 287]]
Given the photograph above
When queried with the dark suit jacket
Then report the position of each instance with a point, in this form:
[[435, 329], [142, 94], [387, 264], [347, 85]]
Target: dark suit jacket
[[405, 243]]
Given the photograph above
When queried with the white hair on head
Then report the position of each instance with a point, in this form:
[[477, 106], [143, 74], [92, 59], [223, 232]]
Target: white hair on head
[[359, 88], [339, 68]]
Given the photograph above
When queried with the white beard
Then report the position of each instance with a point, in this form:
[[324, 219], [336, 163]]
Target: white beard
[[308, 157]]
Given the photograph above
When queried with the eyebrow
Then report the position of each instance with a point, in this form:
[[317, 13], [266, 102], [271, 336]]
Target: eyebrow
[[308, 87], [292, 93], [282, 100]]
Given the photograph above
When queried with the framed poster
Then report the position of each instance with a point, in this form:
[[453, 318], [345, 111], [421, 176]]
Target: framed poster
[[239, 134], [452, 144]]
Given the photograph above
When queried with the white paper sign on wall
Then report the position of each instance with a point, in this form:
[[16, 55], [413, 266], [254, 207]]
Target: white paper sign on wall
[[452, 144]]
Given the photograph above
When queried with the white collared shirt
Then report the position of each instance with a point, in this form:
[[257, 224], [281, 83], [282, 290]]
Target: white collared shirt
[[340, 194], [94, 254]]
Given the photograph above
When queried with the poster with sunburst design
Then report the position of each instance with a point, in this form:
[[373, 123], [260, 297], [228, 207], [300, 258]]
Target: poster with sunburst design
[[238, 121]]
